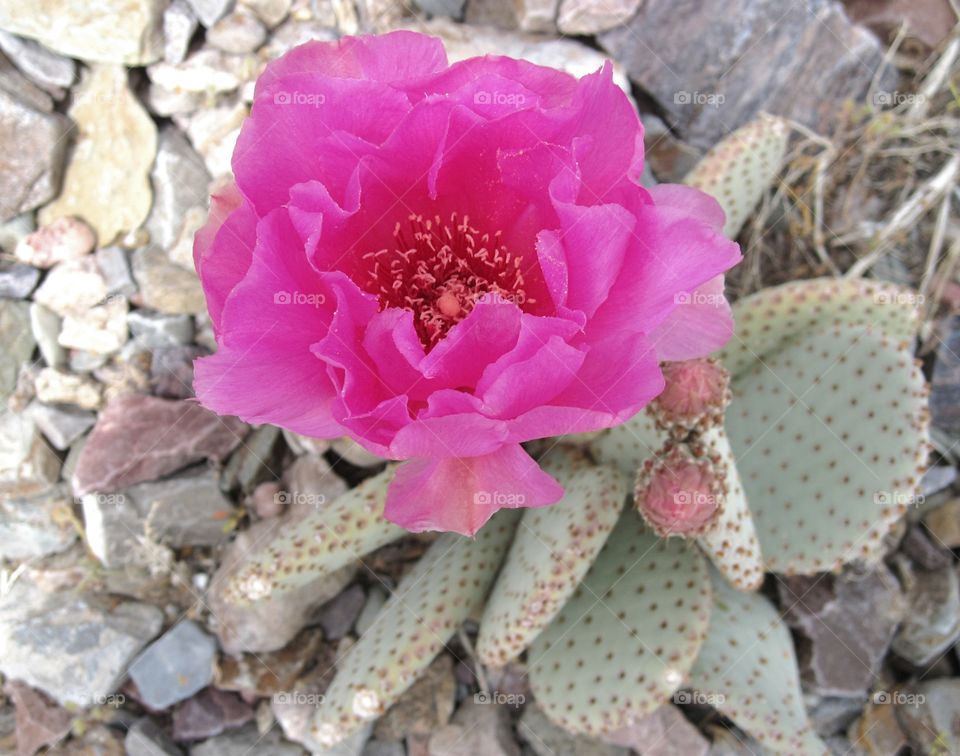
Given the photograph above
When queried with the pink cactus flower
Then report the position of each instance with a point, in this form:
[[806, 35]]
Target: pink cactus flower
[[444, 261], [679, 494]]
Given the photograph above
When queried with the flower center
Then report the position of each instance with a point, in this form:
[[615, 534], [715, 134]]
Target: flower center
[[440, 270]]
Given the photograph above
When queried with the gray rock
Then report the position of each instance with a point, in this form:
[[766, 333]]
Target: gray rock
[[30, 526], [424, 707], [114, 527], [376, 598], [73, 647], [21, 88], [450, 8], [593, 16], [849, 621], [383, 748], [927, 712], [171, 371], [246, 741], [257, 460], [34, 146], [17, 280], [544, 738], [16, 336], [932, 623], [45, 325], [800, 60], [13, 230], [945, 382], [311, 481], [27, 464], [46, 68], [665, 732], [179, 26], [937, 478], [210, 11], [146, 738], [61, 425], [239, 32], [115, 269], [153, 330], [917, 545], [189, 510], [477, 729], [180, 181], [174, 667], [337, 616]]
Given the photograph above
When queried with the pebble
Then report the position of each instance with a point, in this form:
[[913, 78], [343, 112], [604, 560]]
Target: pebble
[[180, 182], [267, 500], [210, 11], [174, 667], [239, 32], [263, 674], [115, 269], [209, 713], [34, 526], [39, 722], [337, 616], [427, 705], [312, 481], [271, 12], [27, 464], [213, 132], [932, 623], [188, 510], [101, 330], [165, 286], [46, 68], [45, 326], [152, 330], [171, 371], [477, 729], [58, 387], [257, 460], [17, 281], [246, 741], [23, 89], [877, 731], [927, 712], [61, 425], [16, 336], [179, 25], [585, 17], [943, 523], [73, 287], [146, 738], [544, 738]]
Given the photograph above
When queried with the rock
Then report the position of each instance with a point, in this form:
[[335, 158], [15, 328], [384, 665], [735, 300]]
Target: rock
[[171, 371], [106, 181], [206, 71], [209, 713], [337, 616], [210, 11], [66, 238], [115, 270], [18, 343], [590, 16], [61, 425], [153, 330], [271, 12], [132, 442], [932, 623], [246, 741], [214, 132], [833, 716], [239, 32], [544, 738], [927, 712], [188, 510], [426, 705], [383, 748], [265, 623], [74, 647], [665, 732], [848, 621], [23, 89], [58, 387], [937, 478], [45, 326], [945, 382], [34, 146], [300, 445], [39, 722], [481, 13], [165, 286], [13, 230], [355, 454], [449, 8], [17, 281], [174, 667], [101, 330], [268, 501], [127, 372], [73, 287], [295, 708], [180, 181], [146, 738], [108, 31], [943, 523], [255, 461], [376, 598], [928, 21], [179, 26], [917, 545], [113, 524], [536, 15], [310, 481], [478, 729], [264, 674], [49, 70], [35, 526], [801, 61], [667, 157], [181, 253], [878, 730], [27, 464]]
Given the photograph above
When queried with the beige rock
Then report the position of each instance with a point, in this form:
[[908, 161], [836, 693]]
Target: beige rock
[[165, 286], [271, 12], [67, 238], [101, 329], [537, 15], [72, 287], [107, 180], [592, 16], [108, 31], [57, 387]]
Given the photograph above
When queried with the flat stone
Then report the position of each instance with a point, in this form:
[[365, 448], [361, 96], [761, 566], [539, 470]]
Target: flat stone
[[73, 287], [174, 667], [58, 387], [109, 31], [189, 510], [849, 621], [802, 61], [927, 712], [35, 526], [17, 281], [66, 238], [113, 524], [209, 713], [18, 343], [478, 729], [99, 330], [450, 8], [61, 425], [27, 464], [106, 181], [165, 286], [263, 674], [180, 181], [179, 25], [39, 722], [210, 11], [246, 741], [337, 616], [74, 647], [257, 460], [45, 326], [426, 705], [35, 143], [932, 623], [238, 32], [133, 441], [206, 70], [544, 738], [146, 738], [46, 68], [584, 17], [171, 371], [153, 330], [115, 269], [665, 732], [127, 372]]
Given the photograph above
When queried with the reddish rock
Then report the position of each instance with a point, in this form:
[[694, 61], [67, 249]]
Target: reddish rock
[[39, 722], [209, 713], [139, 438], [928, 21]]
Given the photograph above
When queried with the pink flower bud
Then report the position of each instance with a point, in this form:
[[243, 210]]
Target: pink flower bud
[[697, 392], [678, 493]]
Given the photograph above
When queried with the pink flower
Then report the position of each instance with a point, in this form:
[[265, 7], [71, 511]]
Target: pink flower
[[443, 262]]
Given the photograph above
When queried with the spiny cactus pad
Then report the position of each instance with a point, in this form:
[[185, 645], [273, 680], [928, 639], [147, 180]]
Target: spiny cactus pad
[[628, 636], [731, 542], [830, 435], [747, 671], [553, 550], [740, 168], [771, 316], [440, 592], [326, 539], [629, 444]]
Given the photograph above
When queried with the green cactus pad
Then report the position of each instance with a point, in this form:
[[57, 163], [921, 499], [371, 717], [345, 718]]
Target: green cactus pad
[[553, 550], [629, 444], [334, 535], [731, 542], [440, 592], [628, 636], [740, 168], [771, 316], [748, 672], [830, 436]]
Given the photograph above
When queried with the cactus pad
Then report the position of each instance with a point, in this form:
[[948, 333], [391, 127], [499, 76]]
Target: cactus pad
[[628, 636], [740, 168], [553, 550], [747, 671], [830, 438], [629, 444], [440, 592]]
